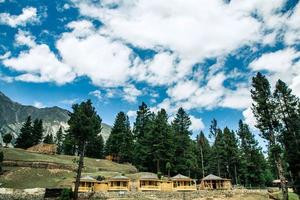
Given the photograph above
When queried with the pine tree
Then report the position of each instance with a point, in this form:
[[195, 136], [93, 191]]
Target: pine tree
[[185, 157], [84, 126], [59, 140], [37, 131], [94, 148], [69, 145], [127, 145], [48, 139], [231, 154], [216, 134], [141, 131], [263, 109], [287, 105], [204, 153], [7, 139], [24, 140], [252, 160], [162, 143], [120, 142]]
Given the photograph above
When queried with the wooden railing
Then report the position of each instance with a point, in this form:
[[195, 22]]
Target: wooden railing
[[192, 187], [117, 188], [150, 187]]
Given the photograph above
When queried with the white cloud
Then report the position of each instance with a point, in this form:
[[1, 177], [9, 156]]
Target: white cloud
[[131, 93], [193, 29], [279, 61], [96, 93], [25, 38], [28, 15], [249, 118], [40, 65], [282, 65], [197, 124], [182, 90], [131, 113], [104, 61], [38, 104], [69, 101]]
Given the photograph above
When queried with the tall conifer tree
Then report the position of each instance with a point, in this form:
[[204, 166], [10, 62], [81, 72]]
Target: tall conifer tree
[[263, 109], [25, 140], [287, 105]]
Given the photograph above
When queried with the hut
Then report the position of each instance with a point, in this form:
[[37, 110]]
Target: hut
[[101, 186], [183, 183], [86, 184], [149, 182], [214, 182], [118, 183]]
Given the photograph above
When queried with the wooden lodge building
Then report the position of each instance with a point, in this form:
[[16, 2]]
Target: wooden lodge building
[[183, 183], [211, 182], [150, 182]]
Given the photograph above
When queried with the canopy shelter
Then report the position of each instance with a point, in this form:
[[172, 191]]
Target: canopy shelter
[[214, 182]]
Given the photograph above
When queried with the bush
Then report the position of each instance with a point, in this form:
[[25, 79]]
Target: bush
[[66, 194]]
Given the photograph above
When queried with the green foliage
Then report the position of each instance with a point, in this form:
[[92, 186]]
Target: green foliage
[[160, 140], [59, 140], [119, 144], [84, 126], [7, 139], [48, 139], [253, 170], [288, 114], [94, 148], [142, 130], [37, 131], [25, 139], [185, 158], [66, 194], [264, 110], [203, 155]]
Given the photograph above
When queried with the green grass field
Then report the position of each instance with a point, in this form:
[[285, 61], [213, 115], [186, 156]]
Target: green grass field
[[26, 177]]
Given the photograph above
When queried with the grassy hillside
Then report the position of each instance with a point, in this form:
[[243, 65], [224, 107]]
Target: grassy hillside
[[26, 177]]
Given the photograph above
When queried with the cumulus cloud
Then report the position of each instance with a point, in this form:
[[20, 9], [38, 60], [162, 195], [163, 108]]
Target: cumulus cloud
[[96, 93], [28, 15], [40, 64], [282, 64], [131, 93], [197, 124]]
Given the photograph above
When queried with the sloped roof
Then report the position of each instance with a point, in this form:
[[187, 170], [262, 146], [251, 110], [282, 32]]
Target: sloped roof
[[212, 177], [88, 179], [120, 177], [149, 176], [181, 177]]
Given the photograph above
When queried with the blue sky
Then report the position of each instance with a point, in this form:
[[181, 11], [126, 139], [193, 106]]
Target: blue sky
[[191, 54]]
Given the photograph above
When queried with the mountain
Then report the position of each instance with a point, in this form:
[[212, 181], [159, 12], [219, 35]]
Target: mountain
[[13, 115]]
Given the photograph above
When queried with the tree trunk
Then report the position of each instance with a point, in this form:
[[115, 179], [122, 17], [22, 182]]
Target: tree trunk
[[168, 173], [157, 166], [80, 166], [283, 185], [202, 162], [235, 175]]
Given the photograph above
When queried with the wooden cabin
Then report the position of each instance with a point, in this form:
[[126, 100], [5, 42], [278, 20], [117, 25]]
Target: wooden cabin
[[86, 184], [149, 182], [211, 182], [119, 183], [101, 186], [183, 183]]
